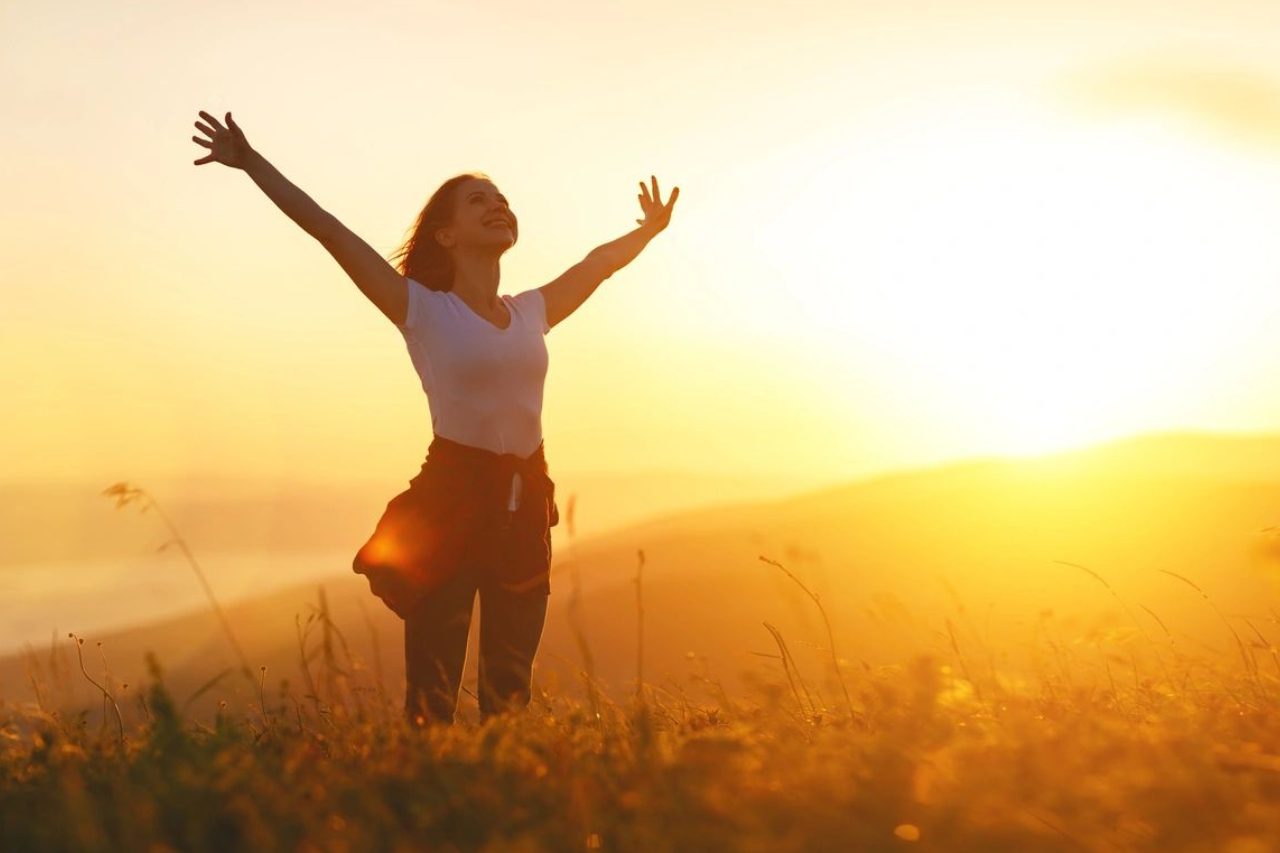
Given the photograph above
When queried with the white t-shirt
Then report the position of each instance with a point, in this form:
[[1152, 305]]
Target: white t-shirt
[[484, 385]]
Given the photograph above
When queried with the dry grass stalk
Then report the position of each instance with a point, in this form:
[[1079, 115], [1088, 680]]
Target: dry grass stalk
[[125, 494], [831, 638]]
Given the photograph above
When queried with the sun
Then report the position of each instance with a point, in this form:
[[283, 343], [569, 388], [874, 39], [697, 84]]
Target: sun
[[1027, 280]]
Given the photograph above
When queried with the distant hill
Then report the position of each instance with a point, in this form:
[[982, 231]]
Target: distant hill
[[985, 545], [65, 522]]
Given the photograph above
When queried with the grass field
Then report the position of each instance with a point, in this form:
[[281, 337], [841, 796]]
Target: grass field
[[1113, 732], [1109, 757]]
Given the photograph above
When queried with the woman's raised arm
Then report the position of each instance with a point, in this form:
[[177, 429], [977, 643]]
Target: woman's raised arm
[[373, 274], [563, 295]]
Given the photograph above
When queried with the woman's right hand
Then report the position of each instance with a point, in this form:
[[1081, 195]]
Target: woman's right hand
[[227, 145]]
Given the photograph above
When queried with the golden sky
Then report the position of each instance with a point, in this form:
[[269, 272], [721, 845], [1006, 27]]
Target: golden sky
[[907, 231]]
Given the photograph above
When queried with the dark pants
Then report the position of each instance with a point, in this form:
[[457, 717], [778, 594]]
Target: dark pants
[[435, 640]]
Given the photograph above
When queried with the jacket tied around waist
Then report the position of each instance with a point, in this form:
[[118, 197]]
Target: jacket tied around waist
[[455, 517]]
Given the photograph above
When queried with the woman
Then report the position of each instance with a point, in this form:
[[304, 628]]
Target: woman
[[477, 516]]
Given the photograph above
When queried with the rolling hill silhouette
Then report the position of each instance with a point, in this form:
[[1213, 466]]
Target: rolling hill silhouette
[[984, 557]]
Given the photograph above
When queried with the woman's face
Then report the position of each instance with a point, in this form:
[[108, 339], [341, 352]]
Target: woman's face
[[481, 219]]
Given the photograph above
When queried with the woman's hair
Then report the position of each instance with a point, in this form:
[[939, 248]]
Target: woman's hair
[[421, 258]]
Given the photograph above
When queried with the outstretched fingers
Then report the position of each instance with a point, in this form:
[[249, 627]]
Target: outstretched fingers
[[204, 143], [213, 121], [651, 203], [211, 128]]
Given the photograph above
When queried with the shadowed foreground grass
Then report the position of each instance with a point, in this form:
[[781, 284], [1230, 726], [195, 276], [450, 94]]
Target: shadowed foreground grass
[[926, 760]]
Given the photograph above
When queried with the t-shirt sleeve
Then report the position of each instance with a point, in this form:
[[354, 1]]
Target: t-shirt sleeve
[[534, 301], [416, 309]]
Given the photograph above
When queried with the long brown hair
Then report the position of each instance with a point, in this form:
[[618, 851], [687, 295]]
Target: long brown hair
[[422, 258]]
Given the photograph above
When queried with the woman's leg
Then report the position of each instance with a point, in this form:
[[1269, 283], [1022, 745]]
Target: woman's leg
[[510, 630], [435, 647]]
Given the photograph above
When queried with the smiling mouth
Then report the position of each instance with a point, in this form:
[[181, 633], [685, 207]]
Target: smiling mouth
[[501, 224]]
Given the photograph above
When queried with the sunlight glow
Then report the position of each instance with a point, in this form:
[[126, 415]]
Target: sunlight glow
[[1043, 282]]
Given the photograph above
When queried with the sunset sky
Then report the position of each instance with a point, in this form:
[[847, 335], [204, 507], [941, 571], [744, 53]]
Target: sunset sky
[[907, 231]]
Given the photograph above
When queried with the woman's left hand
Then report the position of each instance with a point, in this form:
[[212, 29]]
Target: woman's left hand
[[656, 214]]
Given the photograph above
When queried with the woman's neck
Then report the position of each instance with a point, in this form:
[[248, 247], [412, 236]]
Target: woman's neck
[[476, 277]]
